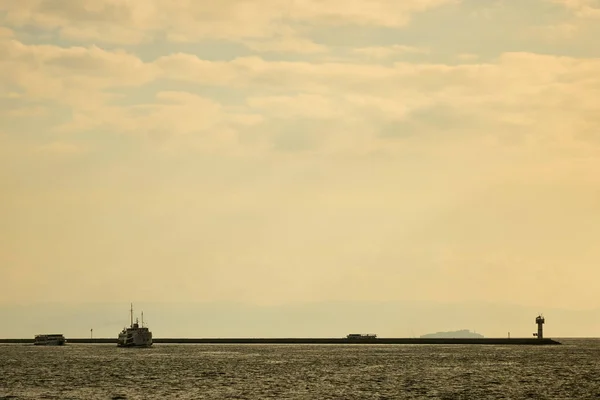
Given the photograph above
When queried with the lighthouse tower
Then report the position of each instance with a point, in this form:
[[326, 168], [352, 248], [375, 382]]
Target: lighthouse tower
[[540, 323]]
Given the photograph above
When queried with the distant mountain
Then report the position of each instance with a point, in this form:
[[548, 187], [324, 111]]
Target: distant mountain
[[464, 333]]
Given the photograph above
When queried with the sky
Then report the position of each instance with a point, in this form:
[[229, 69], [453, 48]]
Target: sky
[[290, 153]]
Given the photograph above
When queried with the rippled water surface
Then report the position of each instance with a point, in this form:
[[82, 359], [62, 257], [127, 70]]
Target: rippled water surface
[[79, 371]]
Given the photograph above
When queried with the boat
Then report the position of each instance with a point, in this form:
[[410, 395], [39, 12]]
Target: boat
[[136, 335], [51, 339], [361, 336]]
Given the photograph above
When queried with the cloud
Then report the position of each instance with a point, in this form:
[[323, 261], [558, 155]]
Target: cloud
[[61, 148], [300, 106], [286, 44], [288, 150], [27, 111], [577, 22], [112, 21], [76, 76], [170, 113], [513, 90], [5, 32], [382, 52], [467, 57], [510, 76], [581, 8], [191, 68], [382, 12], [565, 30], [107, 21]]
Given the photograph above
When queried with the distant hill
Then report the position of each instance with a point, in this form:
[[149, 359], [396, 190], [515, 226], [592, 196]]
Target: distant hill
[[464, 333]]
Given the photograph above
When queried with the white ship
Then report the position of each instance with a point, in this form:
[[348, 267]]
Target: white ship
[[135, 335], [53, 339]]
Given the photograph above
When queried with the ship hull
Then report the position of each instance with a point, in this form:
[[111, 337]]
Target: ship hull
[[133, 345], [135, 337], [50, 343]]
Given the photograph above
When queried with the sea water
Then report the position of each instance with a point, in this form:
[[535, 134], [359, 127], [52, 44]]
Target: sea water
[[95, 371]]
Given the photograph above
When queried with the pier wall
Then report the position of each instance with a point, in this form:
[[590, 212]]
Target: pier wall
[[477, 341]]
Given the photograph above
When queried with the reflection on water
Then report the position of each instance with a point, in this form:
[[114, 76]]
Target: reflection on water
[[80, 371]]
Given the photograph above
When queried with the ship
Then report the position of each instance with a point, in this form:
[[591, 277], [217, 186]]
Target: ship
[[136, 335], [49, 339], [361, 336]]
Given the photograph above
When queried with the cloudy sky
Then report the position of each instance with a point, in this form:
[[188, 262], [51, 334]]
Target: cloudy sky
[[283, 152]]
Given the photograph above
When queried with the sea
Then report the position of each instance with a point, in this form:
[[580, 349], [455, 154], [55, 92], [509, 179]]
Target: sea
[[202, 371]]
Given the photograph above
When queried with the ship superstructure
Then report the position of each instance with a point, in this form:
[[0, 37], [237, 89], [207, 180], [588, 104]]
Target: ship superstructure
[[136, 335]]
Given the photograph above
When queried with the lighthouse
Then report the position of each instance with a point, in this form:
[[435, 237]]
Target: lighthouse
[[540, 323]]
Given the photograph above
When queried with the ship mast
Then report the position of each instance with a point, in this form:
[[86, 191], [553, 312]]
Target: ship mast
[[131, 314], [142, 319]]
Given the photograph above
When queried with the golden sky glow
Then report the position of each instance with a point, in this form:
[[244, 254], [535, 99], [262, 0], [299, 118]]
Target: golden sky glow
[[292, 151]]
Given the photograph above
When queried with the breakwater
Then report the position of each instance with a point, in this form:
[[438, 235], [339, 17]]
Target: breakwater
[[340, 341]]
